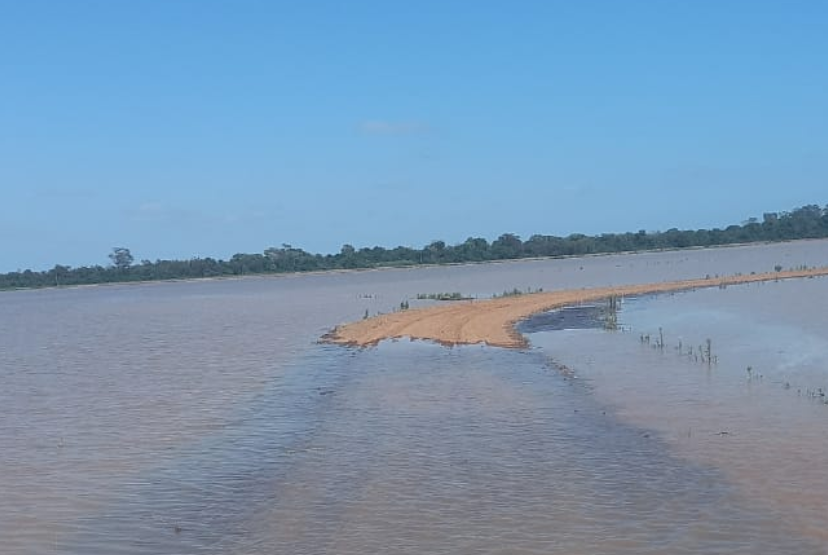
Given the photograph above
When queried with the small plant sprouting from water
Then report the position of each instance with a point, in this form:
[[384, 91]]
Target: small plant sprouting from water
[[753, 376], [659, 342], [701, 353], [610, 315], [819, 394]]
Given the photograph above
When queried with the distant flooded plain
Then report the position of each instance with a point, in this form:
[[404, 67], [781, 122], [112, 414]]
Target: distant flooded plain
[[204, 417]]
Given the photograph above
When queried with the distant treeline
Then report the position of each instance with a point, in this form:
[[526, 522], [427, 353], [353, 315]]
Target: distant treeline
[[806, 222]]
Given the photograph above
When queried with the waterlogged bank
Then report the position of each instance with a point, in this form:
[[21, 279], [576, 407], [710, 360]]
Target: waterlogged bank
[[492, 321]]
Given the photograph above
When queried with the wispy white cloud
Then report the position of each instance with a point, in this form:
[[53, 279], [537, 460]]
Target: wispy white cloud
[[161, 213], [152, 207], [386, 127], [157, 212], [577, 189]]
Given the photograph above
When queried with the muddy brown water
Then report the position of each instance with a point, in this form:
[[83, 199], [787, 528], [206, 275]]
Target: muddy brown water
[[203, 417]]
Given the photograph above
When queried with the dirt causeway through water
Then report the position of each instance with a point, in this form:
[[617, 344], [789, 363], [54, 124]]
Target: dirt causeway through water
[[492, 321]]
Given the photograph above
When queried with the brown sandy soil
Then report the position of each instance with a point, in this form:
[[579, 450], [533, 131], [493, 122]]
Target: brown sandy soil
[[492, 321]]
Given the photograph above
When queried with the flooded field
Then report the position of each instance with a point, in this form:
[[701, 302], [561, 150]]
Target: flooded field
[[204, 417], [757, 410]]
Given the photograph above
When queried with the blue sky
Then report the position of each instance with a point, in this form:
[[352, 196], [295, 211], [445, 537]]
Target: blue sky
[[182, 128]]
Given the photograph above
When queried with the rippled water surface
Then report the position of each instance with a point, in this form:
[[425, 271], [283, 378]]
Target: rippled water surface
[[757, 410], [204, 417]]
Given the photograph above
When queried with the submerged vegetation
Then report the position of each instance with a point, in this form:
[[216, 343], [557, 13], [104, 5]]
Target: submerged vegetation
[[457, 296], [802, 223], [610, 313], [702, 353], [454, 296], [517, 292]]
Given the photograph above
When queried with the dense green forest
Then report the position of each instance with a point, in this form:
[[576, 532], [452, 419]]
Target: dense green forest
[[806, 222]]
